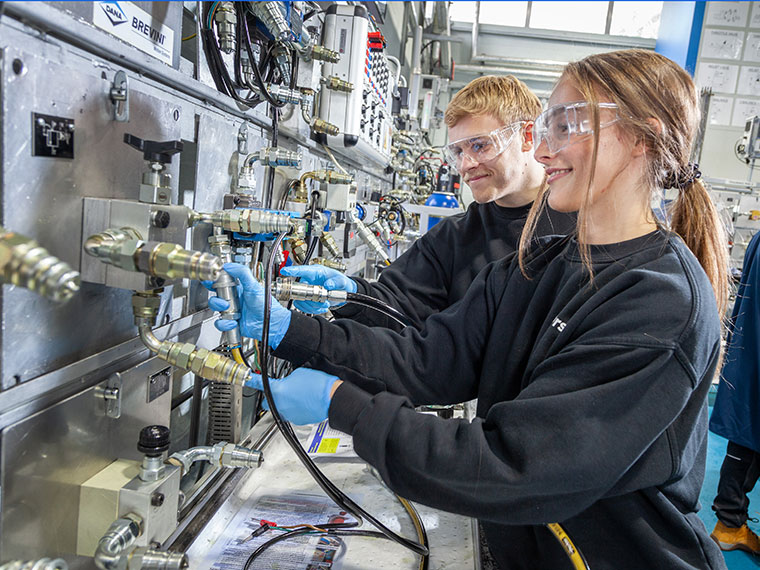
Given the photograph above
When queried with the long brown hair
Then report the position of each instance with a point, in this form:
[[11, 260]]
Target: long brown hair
[[646, 85]]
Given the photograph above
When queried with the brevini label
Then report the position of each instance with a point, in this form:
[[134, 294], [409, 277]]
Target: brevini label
[[142, 30]]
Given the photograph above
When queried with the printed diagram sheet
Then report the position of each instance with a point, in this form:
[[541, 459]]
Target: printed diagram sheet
[[281, 506]]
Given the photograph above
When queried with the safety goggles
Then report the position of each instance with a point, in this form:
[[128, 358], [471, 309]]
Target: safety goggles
[[481, 148], [563, 125]]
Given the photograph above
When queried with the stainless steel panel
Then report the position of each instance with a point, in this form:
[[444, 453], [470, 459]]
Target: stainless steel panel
[[45, 457]]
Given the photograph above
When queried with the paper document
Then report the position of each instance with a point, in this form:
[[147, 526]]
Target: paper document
[[285, 508]]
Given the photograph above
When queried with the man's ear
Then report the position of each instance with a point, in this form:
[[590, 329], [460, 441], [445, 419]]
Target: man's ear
[[527, 144]]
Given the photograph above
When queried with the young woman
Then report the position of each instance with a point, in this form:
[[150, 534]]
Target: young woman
[[591, 355]]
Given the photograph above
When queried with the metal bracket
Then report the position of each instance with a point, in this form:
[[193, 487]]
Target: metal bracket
[[243, 138], [111, 394], [120, 97]]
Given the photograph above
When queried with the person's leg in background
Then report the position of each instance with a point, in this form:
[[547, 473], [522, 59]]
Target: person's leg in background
[[738, 475]]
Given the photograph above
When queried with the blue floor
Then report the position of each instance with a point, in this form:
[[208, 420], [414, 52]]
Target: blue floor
[[716, 450]]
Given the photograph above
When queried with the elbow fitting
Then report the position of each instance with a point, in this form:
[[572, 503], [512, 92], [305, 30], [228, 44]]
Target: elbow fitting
[[114, 543], [205, 363], [273, 156], [113, 552], [23, 262], [222, 454]]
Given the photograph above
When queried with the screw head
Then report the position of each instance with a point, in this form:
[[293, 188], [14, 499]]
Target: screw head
[[157, 499]]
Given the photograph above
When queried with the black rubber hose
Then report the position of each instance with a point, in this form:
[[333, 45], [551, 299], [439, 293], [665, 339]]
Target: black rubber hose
[[379, 306], [321, 479]]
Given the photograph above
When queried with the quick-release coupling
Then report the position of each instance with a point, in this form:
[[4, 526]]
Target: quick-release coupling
[[25, 263], [287, 290], [285, 95], [321, 53], [369, 238], [329, 243], [272, 18], [337, 84], [148, 559], [226, 21], [205, 363], [331, 263], [321, 126], [274, 156], [226, 287], [125, 249], [250, 221]]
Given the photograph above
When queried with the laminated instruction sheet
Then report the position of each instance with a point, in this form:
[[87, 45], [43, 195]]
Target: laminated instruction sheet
[[325, 442], [285, 508]]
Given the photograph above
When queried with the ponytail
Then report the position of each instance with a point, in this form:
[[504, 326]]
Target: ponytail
[[695, 218]]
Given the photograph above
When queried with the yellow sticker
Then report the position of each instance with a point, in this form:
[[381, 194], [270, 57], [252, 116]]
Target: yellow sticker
[[328, 445]]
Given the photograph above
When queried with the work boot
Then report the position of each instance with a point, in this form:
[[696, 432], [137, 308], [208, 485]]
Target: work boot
[[741, 538]]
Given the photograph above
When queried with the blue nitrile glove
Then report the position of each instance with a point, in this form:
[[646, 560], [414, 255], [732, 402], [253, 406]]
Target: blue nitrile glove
[[330, 279], [252, 308], [302, 398]]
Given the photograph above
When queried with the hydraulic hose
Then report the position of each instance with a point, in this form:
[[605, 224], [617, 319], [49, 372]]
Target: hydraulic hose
[[325, 484], [576, 556], [379, 306]]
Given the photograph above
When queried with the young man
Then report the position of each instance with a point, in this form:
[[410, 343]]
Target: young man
[[490, 129]]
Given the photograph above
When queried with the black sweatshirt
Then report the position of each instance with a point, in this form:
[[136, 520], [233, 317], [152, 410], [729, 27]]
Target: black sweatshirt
[[591, 403], [436, 271]]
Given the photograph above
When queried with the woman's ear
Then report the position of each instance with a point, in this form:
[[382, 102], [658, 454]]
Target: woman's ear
[[641, 147]]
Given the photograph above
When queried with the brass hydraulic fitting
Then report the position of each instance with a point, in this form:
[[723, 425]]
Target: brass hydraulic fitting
[[337, 84], [251, 221], [321, 53], [145, 306], [321, 126], [331, 263], [299, 249], [25, 263], [125, 249], [329, 243], [171, 261], [205, 363]]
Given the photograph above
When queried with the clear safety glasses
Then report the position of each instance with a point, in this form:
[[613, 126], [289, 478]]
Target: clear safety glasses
[[481, 148], [563, 125]]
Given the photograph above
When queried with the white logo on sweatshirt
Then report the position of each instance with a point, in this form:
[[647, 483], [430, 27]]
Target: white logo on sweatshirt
[[559, 325]]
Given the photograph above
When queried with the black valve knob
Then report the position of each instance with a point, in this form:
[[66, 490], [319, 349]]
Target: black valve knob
[[154, 151], [154, 440]]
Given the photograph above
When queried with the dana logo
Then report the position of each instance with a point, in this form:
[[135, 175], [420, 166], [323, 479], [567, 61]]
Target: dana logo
[[114, 12]]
